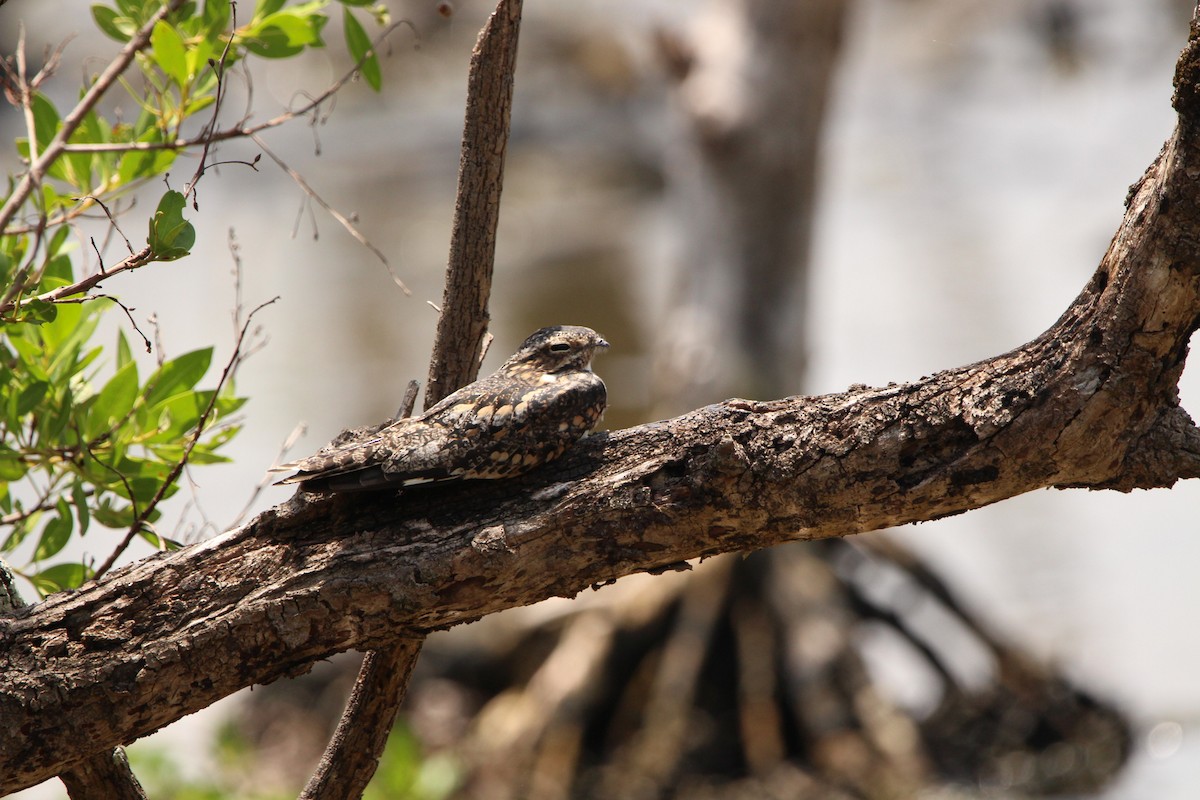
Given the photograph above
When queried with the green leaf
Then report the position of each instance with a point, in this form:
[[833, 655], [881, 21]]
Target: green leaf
[[199, 456], [198, 104], [57, 240], [112, 24], [267, 7], [177, 416], [360, 44], [30, 355], [184, 13], [288, 31], [124, 355], [169, 52], [20, 531], [39, 312], [60, 577], [114, 402], [171, 236], [73, 326], [29, 397], [136, 164], [216, 16], [59, 268], [135, 9], [12, 468], [56, 533], [111, 516], [177, 375], [198, 54], [158, 542], [79, 500], [45, 120]]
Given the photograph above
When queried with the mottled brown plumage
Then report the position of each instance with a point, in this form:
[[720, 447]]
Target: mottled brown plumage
[[541, 401]]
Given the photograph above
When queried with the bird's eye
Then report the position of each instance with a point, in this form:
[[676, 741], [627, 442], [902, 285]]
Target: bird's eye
[[559, 347]]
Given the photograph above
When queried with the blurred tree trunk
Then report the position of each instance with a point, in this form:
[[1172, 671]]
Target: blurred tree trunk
[[753, 81]]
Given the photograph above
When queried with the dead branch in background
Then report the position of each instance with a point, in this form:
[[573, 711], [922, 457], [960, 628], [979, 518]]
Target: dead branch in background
[[464, 316]]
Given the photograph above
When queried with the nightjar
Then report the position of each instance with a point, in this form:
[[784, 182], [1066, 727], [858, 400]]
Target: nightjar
[[541, 401]]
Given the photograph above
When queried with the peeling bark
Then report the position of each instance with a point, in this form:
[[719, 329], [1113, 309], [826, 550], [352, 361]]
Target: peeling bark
[[1090, 403]]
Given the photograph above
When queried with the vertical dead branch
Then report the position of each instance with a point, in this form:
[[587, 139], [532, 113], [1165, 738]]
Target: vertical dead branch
[[350, 760], [464, 316], [353, 754], [105, 775]]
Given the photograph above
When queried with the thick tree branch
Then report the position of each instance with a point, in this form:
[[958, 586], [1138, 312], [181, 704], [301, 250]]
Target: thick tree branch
[[1091, 402], [104, 774]]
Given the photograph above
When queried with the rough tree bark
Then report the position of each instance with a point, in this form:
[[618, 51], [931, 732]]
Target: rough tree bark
[[1090, 403]]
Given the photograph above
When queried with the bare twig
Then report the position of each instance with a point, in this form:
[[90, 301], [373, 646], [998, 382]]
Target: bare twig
[[25, 91], [206, 134], [132, 321], [409, 400], [108, 213], [139, 521], [464, 316], [139, 259], [79, 210], [268, 478], [342, 219], [349, 761], [52, 60]]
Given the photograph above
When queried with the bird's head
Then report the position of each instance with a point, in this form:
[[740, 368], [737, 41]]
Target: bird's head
[[559, 348]]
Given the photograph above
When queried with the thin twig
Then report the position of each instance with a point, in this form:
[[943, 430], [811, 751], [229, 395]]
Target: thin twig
[[139, 259], [140, 520], [112, 220], [268, 478], [333, 212], [128, 312], [50, 65], [463, 320], [206, 133]]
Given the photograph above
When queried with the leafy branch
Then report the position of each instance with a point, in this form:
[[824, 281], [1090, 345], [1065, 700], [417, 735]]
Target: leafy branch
[[85, 441], [139, 522]]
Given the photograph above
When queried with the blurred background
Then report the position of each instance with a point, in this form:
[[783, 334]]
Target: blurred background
[[746, 198]]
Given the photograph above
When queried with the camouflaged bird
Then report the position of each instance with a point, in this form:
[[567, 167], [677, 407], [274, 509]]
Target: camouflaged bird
[[541, 401]]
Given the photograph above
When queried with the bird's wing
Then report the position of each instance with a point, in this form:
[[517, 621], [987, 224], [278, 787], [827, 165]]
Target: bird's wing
[[495, 428], [407, 439]]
